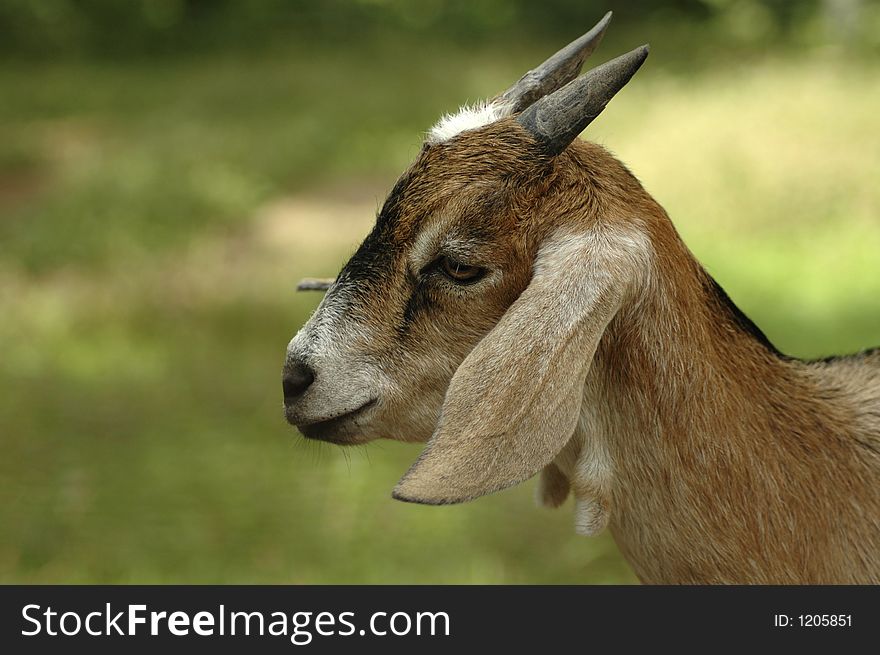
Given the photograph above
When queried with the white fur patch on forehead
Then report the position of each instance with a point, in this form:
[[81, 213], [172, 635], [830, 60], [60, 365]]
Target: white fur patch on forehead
[[469, 117]]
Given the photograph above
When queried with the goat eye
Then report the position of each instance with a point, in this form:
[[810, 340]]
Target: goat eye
[[458, 272]]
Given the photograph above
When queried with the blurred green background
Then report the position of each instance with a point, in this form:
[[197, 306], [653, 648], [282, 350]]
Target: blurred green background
[[170, 168]]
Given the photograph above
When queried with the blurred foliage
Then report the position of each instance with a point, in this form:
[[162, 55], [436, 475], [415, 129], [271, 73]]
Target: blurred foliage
[[169, 169], [151, 27]]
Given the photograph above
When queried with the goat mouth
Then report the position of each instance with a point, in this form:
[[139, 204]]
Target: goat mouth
[[329, 429]]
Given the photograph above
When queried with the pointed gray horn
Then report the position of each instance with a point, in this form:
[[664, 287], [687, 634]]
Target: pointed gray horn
[[557, 71], [556, 120]]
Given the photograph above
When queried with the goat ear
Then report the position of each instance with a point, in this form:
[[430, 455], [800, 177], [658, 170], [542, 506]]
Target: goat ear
[[514, 401]]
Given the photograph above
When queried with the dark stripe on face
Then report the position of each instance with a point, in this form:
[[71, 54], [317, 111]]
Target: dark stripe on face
[[417, 303], [374, 258]]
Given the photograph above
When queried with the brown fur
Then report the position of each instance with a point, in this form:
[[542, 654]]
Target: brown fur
[[731, 464], [712, 458]]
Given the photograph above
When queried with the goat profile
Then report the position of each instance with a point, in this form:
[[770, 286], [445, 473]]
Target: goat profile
[[524, 306]]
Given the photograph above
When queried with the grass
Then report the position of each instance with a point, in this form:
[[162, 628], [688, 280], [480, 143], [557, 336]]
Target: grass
[[147, 262]]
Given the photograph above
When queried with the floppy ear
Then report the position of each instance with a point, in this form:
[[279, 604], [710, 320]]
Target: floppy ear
[[514, 401]]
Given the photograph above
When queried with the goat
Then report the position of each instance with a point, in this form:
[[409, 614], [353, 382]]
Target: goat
[[523, 305]]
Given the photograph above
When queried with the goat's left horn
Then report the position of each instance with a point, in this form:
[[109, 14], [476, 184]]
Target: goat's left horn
[[557, 71], [556, 120]]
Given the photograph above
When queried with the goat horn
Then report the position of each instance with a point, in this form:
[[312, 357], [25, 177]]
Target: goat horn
[[556, 120], [314, 284], [557, 71]]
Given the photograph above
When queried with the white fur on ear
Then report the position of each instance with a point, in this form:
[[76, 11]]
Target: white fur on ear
[[515, 401]]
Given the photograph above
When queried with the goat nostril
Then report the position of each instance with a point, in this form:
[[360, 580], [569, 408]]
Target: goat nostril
[[297, 378]]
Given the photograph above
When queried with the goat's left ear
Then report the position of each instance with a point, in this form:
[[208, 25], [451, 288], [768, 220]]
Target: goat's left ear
[[514, 401]]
